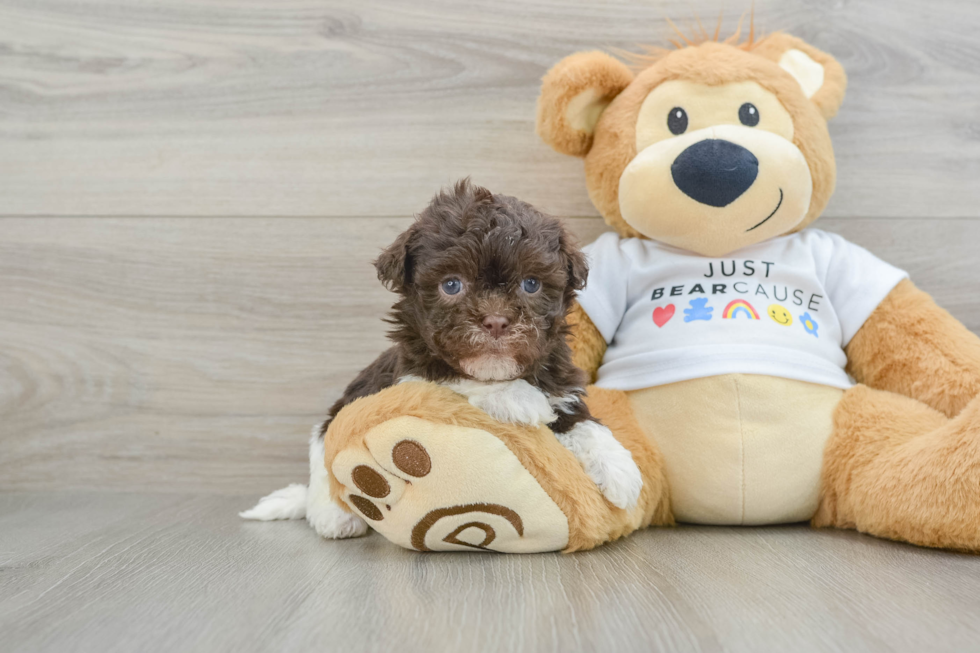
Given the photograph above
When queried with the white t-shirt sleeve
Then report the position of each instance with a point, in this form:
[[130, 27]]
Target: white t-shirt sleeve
[[857, 281], [604, 298]]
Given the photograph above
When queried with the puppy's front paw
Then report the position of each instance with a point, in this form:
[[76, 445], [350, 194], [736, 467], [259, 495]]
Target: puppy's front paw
[[517, 402], [608, 463]]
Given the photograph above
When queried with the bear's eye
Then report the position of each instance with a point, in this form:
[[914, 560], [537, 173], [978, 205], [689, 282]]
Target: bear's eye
[[677, 121], [748, 114], [452, 286]]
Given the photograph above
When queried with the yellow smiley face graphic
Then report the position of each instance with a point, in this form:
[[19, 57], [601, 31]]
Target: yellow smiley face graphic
[[779, 314]]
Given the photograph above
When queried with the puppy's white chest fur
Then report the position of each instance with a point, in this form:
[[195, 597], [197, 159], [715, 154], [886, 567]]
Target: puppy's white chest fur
[[516, 401]]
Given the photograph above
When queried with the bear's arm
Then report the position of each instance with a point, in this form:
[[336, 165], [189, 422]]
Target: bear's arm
[[913, 347], [588, 345]]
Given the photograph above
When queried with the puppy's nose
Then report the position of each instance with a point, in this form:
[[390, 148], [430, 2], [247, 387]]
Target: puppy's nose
[[496, 325], [715, 172]]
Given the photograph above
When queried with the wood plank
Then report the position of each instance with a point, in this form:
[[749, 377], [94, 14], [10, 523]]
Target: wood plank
[[211, 107], [134, 572], [177, 354]]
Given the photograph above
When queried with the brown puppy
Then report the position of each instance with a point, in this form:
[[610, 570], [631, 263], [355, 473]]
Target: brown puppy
[[485, 282]]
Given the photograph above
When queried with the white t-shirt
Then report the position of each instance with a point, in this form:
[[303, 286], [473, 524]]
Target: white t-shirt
[[785, 307]]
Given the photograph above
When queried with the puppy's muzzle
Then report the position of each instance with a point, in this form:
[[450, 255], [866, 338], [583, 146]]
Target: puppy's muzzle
[[496, 325]]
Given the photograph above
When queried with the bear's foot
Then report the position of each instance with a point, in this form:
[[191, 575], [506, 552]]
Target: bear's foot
[[438, 487]]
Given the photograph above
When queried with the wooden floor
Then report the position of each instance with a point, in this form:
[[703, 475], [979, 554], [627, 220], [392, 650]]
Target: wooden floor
[[128, 572], [191, 192]]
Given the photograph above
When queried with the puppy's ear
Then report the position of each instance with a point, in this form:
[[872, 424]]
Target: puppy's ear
[[394, 266], [573, 95], [576, 264]]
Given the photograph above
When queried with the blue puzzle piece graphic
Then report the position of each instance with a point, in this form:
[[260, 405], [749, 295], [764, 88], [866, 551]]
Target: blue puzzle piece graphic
[[698, 310]]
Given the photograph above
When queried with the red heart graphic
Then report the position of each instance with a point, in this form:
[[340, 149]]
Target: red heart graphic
[[661, 316]]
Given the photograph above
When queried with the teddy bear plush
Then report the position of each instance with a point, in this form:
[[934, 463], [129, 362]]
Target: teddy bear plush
[[759, 371]]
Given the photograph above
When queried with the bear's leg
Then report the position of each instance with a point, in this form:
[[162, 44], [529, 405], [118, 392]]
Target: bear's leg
[[899, 469], [430, 472]]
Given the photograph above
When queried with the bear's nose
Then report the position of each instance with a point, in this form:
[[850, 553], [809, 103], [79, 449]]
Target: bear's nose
[[714, 172]]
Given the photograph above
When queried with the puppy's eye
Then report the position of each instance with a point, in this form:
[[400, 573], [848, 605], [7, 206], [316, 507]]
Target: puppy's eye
[[748, 115], [677, 121], [531, 285], [452, 286]]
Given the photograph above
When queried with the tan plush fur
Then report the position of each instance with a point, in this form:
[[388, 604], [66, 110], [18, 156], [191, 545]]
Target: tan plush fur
[[830, 96], [591, 519], [588, 345], [913, 347], [596, 71], [898, 469], [904, 460]]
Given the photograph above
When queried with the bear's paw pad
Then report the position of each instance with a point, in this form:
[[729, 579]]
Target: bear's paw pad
[[437, 487]]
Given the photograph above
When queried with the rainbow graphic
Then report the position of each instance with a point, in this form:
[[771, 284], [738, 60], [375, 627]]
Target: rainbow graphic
[[739, 306]]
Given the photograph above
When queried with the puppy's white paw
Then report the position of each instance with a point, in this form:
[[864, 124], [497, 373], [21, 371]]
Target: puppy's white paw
[[333, 522], [608, 463], [517, 401]]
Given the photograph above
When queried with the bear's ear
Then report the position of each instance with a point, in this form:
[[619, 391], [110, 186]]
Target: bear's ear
[[573, 96], [819, 75]]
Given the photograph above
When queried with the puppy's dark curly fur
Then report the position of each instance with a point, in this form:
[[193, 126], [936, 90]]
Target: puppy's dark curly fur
[[492, 245]]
